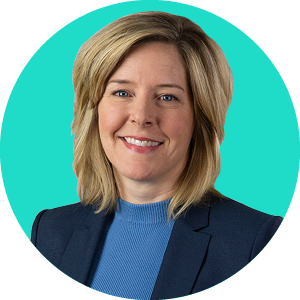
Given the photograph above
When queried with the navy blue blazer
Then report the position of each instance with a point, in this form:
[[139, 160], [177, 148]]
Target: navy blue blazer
[[207, 245]]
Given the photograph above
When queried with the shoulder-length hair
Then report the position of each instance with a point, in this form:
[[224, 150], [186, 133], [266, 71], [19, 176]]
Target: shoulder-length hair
[[210, 82]]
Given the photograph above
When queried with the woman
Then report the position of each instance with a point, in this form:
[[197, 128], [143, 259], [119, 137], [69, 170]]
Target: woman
[[152, 91]]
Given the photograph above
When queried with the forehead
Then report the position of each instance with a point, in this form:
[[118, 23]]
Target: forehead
[[153, 62]]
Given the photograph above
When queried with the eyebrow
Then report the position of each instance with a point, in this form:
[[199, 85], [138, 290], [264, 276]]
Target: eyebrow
[[120, 81], [169, 85]]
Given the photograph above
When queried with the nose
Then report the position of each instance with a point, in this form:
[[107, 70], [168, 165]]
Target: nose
[[143, 112]]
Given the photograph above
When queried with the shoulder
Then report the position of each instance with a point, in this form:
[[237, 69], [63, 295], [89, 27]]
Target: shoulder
[[228, 207], [232, 213], [234, 223], [52, 226], [69, 216], [71, 211], [223, 212]]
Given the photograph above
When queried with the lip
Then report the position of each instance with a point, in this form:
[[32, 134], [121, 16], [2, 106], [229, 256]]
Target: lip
[[139, 149], [141, 138]]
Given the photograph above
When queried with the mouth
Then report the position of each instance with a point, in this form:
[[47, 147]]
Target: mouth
[[142, 142]]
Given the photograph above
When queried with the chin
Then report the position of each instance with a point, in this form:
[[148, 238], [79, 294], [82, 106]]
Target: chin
[[138, 174]]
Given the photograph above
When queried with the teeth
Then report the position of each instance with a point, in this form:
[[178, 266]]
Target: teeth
[[140, 143]]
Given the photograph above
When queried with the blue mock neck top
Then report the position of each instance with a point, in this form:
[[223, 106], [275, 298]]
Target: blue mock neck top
[[133, 250]]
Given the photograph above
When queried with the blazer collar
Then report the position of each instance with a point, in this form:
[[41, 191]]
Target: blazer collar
[[184, 255], [196, 217], [83, 245]]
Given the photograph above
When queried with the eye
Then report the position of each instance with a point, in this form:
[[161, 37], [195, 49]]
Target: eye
[[168, 98], [121, 94]]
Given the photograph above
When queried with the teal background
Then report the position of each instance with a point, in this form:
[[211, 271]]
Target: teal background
[[260, 154]]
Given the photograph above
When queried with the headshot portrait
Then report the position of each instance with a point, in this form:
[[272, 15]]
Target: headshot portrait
[[152, 92]]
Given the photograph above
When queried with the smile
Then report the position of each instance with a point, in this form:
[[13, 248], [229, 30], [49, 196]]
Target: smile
[[139, 143]]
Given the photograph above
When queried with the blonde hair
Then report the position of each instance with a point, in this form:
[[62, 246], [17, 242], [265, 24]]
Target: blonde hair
[[210, 81]]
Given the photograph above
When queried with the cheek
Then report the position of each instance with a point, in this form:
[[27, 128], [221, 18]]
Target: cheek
[[110, 120], [180, 126]]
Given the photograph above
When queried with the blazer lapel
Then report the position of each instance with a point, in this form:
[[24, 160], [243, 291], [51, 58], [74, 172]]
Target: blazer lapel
[[184, 255], [81, 250]]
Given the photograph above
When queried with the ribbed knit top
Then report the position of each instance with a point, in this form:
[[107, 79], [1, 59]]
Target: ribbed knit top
[[133, 250]]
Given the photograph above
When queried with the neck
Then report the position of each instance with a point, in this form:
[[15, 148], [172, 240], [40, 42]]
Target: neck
[[143, 192]]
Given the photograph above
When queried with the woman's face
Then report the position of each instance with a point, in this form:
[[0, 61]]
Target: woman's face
[[146, 118]]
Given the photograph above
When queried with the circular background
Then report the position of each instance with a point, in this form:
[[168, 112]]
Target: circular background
[[260, 159]]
